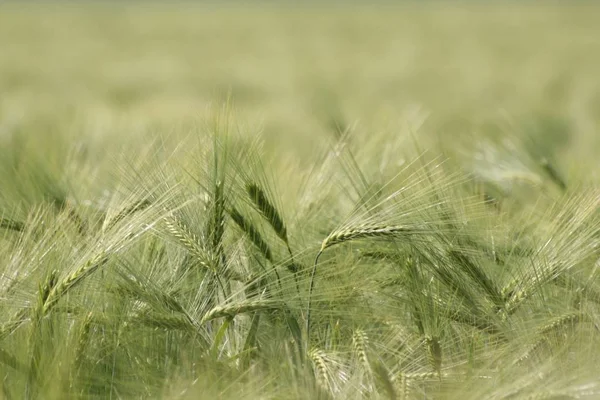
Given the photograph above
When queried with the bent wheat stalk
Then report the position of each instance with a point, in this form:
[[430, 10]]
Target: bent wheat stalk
[[345, 235]]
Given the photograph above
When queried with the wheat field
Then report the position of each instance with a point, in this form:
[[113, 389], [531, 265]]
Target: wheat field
[[299, 201]]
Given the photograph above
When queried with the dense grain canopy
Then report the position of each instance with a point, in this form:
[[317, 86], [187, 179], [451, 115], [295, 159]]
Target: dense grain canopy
[[282, 201]]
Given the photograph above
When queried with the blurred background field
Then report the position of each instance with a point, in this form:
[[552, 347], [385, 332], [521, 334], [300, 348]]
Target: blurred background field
[[168, 173], [296, 70]]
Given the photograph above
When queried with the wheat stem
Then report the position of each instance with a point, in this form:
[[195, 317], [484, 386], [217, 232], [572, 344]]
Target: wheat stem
[[310, 290]]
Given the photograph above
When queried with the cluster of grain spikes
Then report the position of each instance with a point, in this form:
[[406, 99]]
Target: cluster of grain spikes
[[51, 292]]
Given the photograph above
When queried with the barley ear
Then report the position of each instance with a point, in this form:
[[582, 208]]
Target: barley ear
[[233, 310], [173, 321], [188, 240], [58, 291], [268, 210], [320, 366], [405, 386], [360, 342], [270, 213], [216, 225], [251, 232], [48, 286], [560, 322], [82, 343], [363, 232]]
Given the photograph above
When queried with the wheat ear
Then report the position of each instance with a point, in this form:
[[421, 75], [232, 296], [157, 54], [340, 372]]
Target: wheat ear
[[179, 322], [84, 336], [232, 310], [268, 210], [216, 225], [363, 232], [273, 217], [70, 281], [252, 233], [189, 240], [360, 341], [318, 359], [344, 235]]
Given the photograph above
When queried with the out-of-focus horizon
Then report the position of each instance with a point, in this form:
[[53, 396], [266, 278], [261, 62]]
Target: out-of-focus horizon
[[297, 69]]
